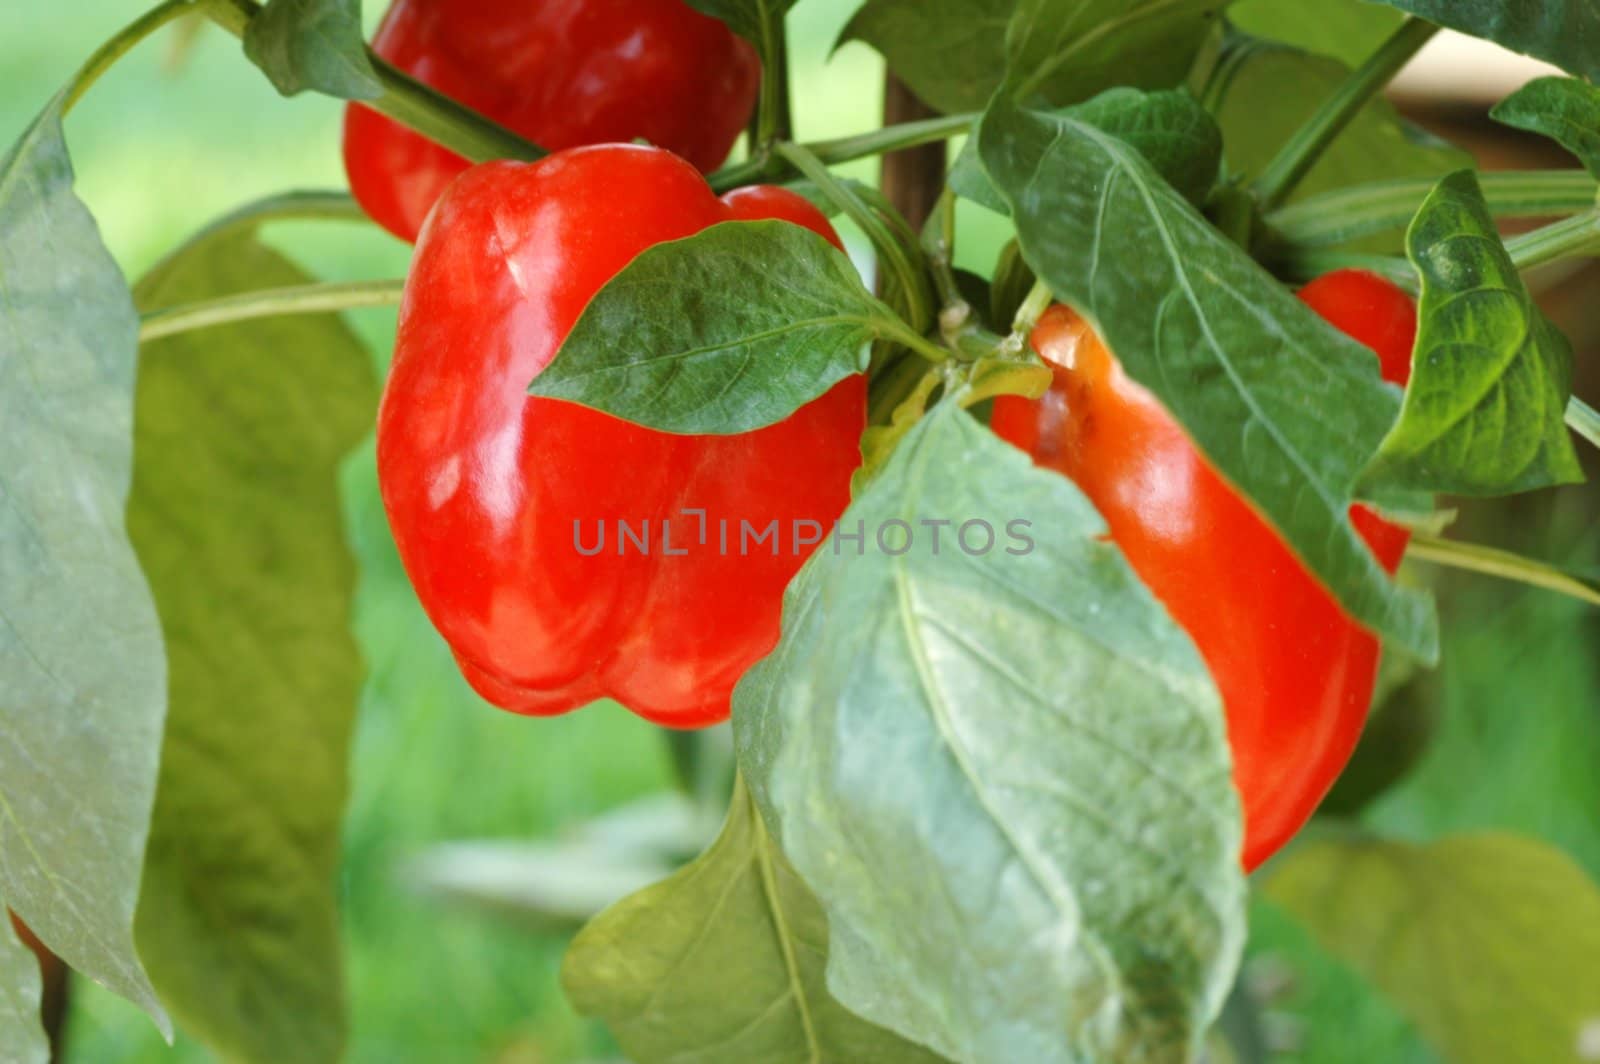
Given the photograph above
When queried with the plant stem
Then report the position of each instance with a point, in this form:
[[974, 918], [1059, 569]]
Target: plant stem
[[307, 206], [1033, 307], [1578, 235], [1361, 210], [845, 149], [1584, 420], [1493, 562], [893, 387], [411, 103], [269, 303], [1301, 153], [938, 244], [892, 253], [774, 120], [120, 45]]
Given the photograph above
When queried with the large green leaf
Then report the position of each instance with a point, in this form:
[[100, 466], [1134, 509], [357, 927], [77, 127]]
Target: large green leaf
[[1170, 129], [952, 53], [1261, 92], [313, 45], [1563, 32], [1346, 30], [1286, 407], [1491, 377], [1487, 942], [20, 986], [80, 646], [726, 331], [1004, 774], [1063, 51], [723, 963], [1565, 109], [235, 513]]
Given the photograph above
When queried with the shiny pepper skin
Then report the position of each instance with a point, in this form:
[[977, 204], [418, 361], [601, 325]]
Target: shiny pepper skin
[[489, 491], [1295, 673], [562, 73]]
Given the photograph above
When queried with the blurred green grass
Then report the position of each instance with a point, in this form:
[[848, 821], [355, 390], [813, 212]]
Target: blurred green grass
[[161, 151]]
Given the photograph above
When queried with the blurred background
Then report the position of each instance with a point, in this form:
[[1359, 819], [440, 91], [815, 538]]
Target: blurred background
[[181, 132]]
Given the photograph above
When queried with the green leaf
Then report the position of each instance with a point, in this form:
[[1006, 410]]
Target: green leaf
[[1563, 32], [1487, 942], [235, 512], [1288, 409], [723, 963], [20, 987], [1063, 51], [1263, 92], [1491, 375], [952, 53], [726, 331], [1564, 109], [1346, 30], [80, 645], [1005, 775], [1170, 129], [315, 45], [757, 21]]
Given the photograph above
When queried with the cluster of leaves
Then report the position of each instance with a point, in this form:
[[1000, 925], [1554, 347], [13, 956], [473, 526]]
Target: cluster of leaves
[[986, 809]]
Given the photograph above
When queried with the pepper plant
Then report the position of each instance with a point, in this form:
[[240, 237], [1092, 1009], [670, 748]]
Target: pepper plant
[[1046, 603]]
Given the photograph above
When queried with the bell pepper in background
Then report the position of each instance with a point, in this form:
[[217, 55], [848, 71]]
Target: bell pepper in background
[[562, 73], [496, 497], [1295, 673]]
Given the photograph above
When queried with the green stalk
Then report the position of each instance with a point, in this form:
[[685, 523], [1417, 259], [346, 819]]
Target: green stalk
[[1033, 307], [1578, 235], [938, 244], [1361, 210], [411, 103], [1490, 561], [269, 303], [763, 167], [120, 44], [774, 118], [1584, 420], [286, 206], [1301, 153], [892, 252]]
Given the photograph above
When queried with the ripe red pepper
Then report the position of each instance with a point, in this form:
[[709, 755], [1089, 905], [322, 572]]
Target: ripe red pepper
[[491, 493], [1295, 673], [560, 72]]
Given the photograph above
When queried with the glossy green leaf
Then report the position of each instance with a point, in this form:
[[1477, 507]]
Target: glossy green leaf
[[80, 645], [21, 1035], [726, 331], [1286, 407], [1563, 32], [1564, 109], [755, 20], [313, 45], [723, 963], [1170, 129], [1346, 30], [1063, 51], [235, 512], [1003, 773], [1487, 942], [1491, 375], [952, 53], [1262, 92]]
